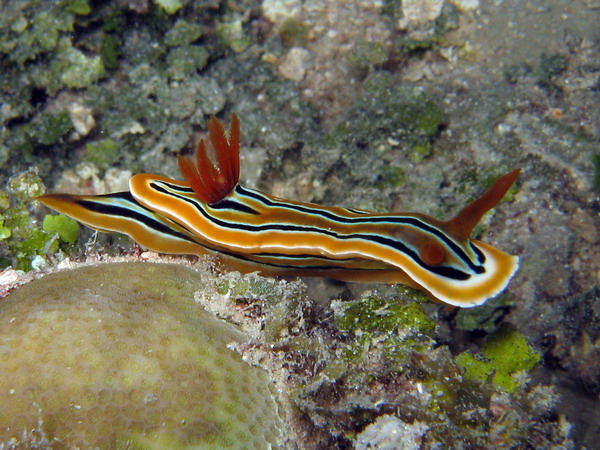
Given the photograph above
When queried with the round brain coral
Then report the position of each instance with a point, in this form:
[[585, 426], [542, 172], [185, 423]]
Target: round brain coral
[[120, 355]]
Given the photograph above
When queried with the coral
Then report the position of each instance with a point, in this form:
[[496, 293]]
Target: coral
[[121, 355], [504, 354]]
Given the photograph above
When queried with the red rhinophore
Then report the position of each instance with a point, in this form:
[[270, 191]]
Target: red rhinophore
[[212, 182]]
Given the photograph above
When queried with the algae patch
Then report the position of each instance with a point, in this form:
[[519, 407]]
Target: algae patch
[[504, 354], [66, 228], [374, 314]]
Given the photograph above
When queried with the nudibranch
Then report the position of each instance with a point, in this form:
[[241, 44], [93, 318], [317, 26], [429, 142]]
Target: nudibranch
[[210, 212]]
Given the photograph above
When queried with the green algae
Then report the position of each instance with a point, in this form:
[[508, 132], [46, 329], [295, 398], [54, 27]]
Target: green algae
[[66, 228], [76, 69], [51, 128], [47, 30], [110, 50], [447, 20], [392, 9], [231, 32], [183, 33], [30, 32], [68, 67], [434, 37], [401, 112], [420, 151], [409, 45], [111, 43], [25, 244], [405, 107], [504, 354], [4, 201], [544, 74], [125, 108], [38, 243], [185, 60], [103, 153], [170, 6], [22, 248], [366, 53], [392, 329], [48, 26], [114, 20], [373, 314], [81, 7], [5, 232], [392, 176]]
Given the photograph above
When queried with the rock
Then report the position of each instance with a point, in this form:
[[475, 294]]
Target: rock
[[388, 433], [294, 64], [421, 11], [466, 5], [278, 11]]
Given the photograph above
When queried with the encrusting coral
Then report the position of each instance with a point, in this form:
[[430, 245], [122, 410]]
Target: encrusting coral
[[120, 355]]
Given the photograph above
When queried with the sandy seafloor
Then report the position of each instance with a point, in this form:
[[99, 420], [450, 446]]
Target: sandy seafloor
[[317, 86]]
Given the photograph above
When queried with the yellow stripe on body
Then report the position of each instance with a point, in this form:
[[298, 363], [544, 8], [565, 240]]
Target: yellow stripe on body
[[210, 212], [318, 231]]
